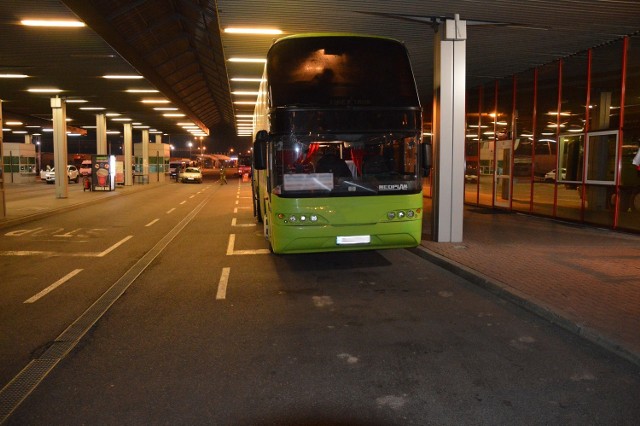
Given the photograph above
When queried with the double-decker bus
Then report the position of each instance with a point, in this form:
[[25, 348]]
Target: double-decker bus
[[338, 147]]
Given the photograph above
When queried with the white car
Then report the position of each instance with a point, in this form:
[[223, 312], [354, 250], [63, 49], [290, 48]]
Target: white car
[[72, 175], [551, 176], [191, 174]]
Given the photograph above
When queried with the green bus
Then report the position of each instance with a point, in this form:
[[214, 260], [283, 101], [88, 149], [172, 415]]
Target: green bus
[[338, 154]]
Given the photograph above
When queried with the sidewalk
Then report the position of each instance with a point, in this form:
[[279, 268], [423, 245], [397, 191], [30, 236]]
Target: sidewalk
[[34, 200], [586, 280]]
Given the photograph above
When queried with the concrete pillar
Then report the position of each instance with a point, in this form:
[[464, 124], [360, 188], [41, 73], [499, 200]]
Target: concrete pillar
[[59, 110], [145, 152], [101, 134], [3, 207], [128, 155], [449, 130], [28, 139]]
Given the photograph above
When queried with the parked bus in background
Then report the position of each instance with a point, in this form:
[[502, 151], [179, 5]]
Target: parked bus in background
[[338, 148]]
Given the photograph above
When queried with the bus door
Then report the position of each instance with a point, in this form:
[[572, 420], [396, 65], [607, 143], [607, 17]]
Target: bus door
[[502, 174]]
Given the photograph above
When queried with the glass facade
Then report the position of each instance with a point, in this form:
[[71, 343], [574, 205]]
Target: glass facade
[[559, 140]]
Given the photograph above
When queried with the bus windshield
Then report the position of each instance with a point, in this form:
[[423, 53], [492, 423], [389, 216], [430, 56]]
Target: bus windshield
[[340, 71], [335, 165]]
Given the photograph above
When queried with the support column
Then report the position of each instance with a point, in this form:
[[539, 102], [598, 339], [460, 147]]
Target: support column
[[448, 126], [145, 153], [28, 139], [59, 109], [128, 155], [3, 202], [101, 134]]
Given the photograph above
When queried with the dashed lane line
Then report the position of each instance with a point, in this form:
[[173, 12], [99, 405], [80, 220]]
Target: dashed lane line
[[222, 284]]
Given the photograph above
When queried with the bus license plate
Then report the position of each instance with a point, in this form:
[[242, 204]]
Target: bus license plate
[[353, 239]]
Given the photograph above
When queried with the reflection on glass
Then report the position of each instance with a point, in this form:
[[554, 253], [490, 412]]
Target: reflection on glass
[[601, 157]]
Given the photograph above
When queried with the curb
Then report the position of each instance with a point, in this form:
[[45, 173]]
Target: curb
[[526, 302]]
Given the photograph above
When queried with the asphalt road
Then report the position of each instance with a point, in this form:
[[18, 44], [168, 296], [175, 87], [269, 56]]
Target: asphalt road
[[194, 322]]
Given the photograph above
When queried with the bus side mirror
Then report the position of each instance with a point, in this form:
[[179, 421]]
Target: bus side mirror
[[260, 150], [427, 158]]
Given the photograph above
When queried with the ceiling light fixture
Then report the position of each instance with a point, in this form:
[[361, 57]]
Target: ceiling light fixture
[[51, 23], [122, 77], [142, 91], [92, 108], [44, 90], [240, 92], [165, 109], [155, 101], [174, 115], [247, 79], [254, 31], [13, 76], [249, 60]]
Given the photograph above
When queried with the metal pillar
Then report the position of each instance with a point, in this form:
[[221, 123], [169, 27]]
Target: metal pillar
[[449, 134], [128, 155], [59, 109], [3, 208], [145, 153], [101, 134]]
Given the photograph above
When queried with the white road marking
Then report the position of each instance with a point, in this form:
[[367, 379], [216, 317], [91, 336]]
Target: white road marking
[[67, 234], [244, 225], [192, 196], [115, 246], [235, 210], [232, 252], [53, 286], [222, 284], [152, 222], [171, 210], [21, 232], [183, 202]]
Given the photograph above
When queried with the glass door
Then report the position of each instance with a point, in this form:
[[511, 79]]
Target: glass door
[[502, 175]]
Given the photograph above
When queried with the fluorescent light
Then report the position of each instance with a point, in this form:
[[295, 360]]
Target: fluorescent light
[[51, 23], [44, 90], [13, 76], [113, 114], [92, 108], [142, 91], [122, 77], [245, 103], [120, 119], [238, 92], [247, 79], [165, 109], [244, 115], [20, 132], [13, 123], [113, 132], [155, 101], [174, 115], [76, 101], [248, 60], [258, 31]]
